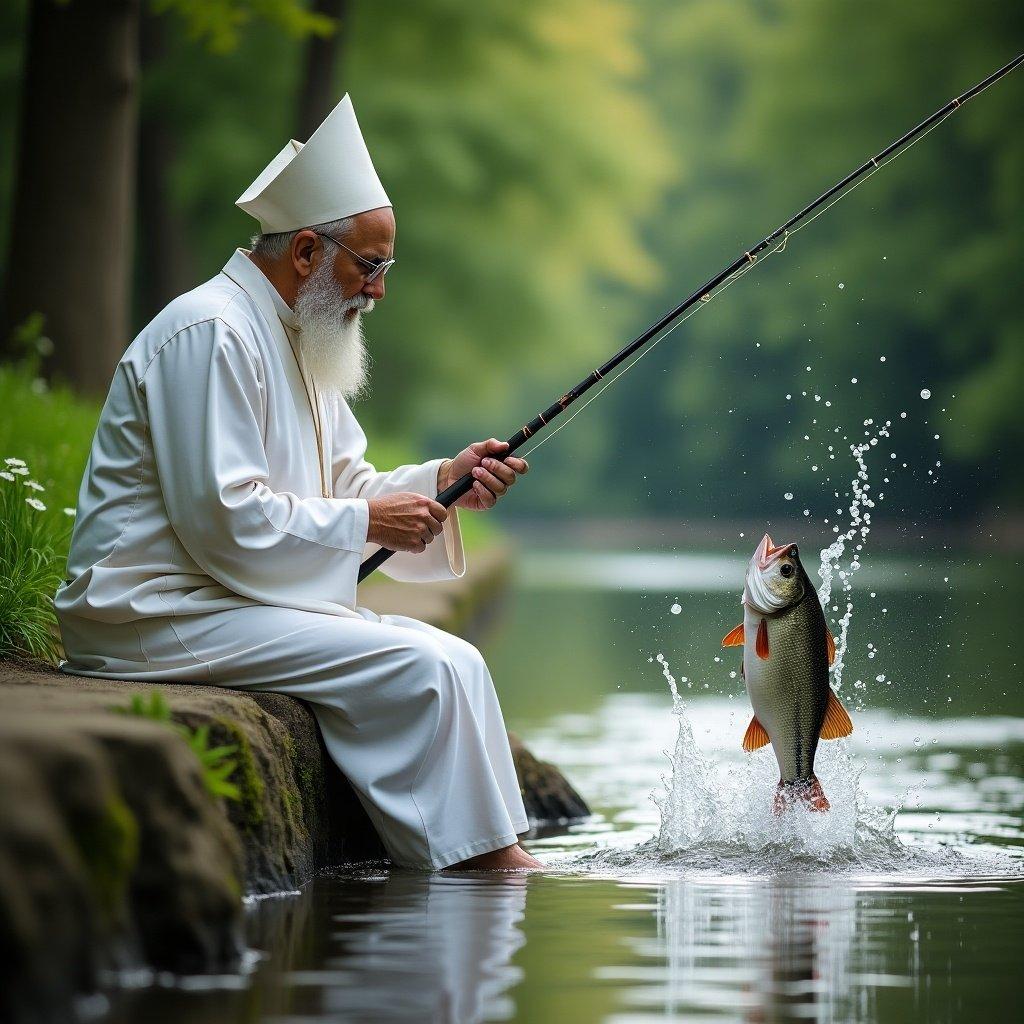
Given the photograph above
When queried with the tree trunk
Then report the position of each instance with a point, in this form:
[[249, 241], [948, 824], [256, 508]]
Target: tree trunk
[[73, 211], [319, 60], [165, 266]]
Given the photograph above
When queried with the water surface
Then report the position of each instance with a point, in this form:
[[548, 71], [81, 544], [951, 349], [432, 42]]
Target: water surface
[[905, 904]]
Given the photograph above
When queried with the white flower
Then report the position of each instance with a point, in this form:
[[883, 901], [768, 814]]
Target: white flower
[[35, 485], [15, 462], [20, 470], [36, 504], [6, 475], [69, 512]]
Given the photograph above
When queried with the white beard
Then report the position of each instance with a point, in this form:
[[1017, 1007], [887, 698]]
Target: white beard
[[331, 334]]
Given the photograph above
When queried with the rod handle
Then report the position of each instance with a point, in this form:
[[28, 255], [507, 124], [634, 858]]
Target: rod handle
[[447, 497]]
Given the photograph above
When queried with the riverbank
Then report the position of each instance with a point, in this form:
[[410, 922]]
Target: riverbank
[[114, 854]]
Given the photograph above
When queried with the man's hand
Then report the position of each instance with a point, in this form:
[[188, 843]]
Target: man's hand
[[492, 475], [405, 521]]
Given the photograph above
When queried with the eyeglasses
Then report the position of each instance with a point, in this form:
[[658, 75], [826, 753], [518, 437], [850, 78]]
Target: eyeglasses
[[378, 268]]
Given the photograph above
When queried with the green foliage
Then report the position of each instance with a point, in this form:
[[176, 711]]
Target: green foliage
[[764, 105], [247, 777], [49, 427], [219, 23], [109, 847], [518, 165], [33, 538], [217, 763], [44, 442]]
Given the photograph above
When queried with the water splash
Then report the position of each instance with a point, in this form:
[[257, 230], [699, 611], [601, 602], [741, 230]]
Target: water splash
[[856, 533], [713, 814]]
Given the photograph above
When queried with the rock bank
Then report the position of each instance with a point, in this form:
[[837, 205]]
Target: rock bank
[[113, 854]]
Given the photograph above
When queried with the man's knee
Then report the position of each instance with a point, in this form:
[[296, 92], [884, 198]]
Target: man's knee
[[426, 661], [461, 652]]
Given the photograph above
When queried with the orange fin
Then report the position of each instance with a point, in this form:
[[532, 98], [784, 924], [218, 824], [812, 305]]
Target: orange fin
[[734, 638], [761, 645], [830, 643], [755, 737], [837, 722]]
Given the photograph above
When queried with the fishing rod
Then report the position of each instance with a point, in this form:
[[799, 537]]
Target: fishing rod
[[722, 279]]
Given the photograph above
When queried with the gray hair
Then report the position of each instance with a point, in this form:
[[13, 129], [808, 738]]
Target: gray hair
[[275, 246]]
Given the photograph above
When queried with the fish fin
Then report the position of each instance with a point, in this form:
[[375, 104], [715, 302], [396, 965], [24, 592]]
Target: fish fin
[[806, 793], [761, 645], [837, 721], [830, 643], [755, 737], [734, 638]]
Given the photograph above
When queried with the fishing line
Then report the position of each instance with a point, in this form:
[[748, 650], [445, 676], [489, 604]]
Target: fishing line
[[731, 281], [650, 348]]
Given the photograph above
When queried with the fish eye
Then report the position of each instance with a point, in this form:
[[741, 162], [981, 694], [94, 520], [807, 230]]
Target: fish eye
[[787, 569]]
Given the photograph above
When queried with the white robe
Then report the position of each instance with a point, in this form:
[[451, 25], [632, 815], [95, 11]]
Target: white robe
[[203, 550]]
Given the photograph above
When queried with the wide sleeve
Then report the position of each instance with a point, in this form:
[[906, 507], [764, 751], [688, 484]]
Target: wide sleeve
[[444, 558], [204, 397]]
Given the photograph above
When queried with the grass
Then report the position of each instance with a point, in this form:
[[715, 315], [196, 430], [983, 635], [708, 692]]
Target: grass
[[45, 435], [33, 542], [48, 426], [217, 763]]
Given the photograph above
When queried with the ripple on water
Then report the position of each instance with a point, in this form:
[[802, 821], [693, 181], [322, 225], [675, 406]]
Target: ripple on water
[[717, 819]]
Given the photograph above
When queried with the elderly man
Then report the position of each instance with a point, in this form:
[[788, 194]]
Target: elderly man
[[227, 504]]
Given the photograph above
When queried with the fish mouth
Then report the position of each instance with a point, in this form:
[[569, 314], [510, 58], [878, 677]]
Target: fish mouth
[[769, 552]]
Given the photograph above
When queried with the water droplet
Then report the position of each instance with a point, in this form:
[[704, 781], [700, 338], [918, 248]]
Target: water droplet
[[676, 609], [807, 511], [881, 359], [841, 285], [925, 393], [788, 495]]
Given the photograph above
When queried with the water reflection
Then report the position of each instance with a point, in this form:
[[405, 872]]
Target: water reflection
[[785, 943], [414, 947]]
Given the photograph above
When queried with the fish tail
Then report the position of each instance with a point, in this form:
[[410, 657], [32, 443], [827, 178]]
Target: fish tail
[[805, 793]]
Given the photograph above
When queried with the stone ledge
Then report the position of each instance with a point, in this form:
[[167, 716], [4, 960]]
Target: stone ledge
[[113, 854]]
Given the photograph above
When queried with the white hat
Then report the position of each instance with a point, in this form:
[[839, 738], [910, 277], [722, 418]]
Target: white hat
[[328, 178]]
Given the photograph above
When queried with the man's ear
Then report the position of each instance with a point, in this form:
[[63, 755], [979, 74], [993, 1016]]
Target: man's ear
[[304, 244]]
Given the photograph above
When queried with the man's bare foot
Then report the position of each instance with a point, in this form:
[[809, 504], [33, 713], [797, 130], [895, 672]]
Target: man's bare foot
[[510, 858]]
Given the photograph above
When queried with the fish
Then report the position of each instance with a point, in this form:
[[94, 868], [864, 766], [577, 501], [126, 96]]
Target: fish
[[787, 651]]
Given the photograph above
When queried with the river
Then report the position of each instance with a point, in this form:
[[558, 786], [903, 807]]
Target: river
[[683, 898]]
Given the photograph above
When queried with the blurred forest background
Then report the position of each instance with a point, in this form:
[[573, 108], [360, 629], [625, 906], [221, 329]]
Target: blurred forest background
[[563, 171]]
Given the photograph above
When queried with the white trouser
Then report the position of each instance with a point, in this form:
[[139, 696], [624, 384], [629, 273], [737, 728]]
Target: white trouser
[[407, 711]]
